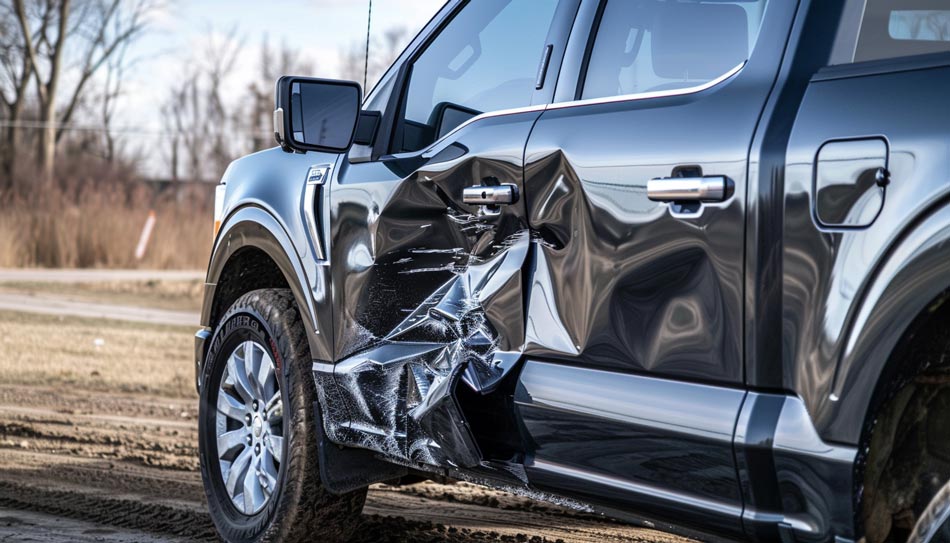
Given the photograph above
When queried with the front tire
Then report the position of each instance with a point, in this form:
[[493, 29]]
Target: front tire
[[257, 447]]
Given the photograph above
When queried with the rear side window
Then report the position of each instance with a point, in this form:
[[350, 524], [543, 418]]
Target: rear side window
[[485, 59], [897, 28], [655, 45]]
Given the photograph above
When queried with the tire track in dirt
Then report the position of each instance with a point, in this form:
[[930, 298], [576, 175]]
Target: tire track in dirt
[[130, 462], [44, 528]]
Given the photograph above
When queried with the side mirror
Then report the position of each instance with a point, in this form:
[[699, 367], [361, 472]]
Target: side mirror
[[316, 114]]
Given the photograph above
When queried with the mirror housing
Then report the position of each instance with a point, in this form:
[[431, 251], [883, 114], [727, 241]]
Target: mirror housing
[[316, 114]]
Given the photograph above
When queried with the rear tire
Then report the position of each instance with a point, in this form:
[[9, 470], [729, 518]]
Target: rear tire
[[297, 508], [933, 525]]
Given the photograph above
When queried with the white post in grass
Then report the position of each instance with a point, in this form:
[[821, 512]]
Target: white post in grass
[[146, 234]]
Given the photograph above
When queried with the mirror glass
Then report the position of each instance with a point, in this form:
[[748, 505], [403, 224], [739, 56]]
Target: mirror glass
[[323, 114]]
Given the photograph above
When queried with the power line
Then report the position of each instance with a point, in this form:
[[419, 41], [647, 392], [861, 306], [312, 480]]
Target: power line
[[114, 130]]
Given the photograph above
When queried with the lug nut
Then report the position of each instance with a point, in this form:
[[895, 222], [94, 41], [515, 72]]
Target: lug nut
[[257, 449], [247, 419], [254, 405], [249, 440]]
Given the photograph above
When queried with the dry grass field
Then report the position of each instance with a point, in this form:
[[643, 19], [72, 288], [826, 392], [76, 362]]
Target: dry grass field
[[101, 233], [96, 354]]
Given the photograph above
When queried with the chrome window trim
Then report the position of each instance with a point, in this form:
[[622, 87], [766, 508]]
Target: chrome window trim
[[479, 117], [651, 94], [589, 102]]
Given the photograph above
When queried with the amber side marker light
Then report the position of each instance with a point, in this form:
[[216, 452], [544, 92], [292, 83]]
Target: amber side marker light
[[219, 192]]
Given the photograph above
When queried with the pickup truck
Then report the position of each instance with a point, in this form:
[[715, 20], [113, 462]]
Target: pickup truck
[[675, 261]]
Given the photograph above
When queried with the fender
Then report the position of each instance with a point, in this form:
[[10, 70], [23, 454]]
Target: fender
[[251, 226], [915, 272], [264, 207]]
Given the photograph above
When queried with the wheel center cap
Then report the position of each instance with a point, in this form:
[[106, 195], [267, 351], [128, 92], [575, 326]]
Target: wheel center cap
[[258, 426]]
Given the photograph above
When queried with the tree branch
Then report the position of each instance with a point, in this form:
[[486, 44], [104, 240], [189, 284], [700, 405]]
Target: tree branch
[[30, 48], [132, 27]]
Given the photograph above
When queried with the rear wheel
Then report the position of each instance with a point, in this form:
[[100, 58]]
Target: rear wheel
[[933, 526], [256, 440]]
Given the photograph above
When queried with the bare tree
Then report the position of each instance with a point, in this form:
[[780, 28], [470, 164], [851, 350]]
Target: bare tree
[[115, 70], [173, 119], [274, 63], [15, 74], [383, 50], [196, 115], [223, 55], [97, 29]]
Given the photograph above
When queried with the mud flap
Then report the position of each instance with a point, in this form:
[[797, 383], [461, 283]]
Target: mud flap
[[344, 469]]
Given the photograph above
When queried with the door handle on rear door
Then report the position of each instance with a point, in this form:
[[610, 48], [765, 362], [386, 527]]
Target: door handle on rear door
[[679, 189], [490, 195]]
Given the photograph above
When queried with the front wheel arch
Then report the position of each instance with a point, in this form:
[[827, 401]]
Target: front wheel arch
[[254, 251]]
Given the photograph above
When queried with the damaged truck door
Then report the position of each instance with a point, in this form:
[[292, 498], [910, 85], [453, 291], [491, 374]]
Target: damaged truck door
[[428, 247], [428, 292]]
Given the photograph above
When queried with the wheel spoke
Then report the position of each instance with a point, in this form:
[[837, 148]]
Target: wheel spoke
[[229, 441], [268, 472], [231, 407], [253, 493], [252, 360], [264, 370], [237, 472], [275, 445], [238, 377]]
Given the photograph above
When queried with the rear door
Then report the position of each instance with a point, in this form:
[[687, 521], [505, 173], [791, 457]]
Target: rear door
[[429, 240], [859, 173], [636, 191]]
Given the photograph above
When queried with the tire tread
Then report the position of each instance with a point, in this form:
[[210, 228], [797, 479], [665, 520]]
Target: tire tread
[[304, 509]]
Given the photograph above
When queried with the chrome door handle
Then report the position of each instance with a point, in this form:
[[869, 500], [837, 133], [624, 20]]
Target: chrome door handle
[[697, 189], [489, 195]]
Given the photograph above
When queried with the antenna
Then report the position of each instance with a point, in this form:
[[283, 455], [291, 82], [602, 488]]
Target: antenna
[[369, 20]]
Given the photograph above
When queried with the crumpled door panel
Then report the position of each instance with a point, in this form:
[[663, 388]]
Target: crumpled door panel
[[622, 282], [428, 295]]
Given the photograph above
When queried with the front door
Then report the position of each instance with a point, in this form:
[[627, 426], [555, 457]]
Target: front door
[[636, 192], [428, 243]]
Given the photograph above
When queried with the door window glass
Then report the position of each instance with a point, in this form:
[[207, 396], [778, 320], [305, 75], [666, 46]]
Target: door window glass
[[655, 45], [896, 28], [485, 59]]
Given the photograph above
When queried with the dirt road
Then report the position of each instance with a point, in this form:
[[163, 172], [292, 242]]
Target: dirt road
[[105, 449], [8, 275], [52, 304], [123, 467], [148, 296]]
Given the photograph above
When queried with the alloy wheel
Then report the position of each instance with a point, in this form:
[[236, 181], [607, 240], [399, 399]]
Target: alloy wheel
[[249, 423]]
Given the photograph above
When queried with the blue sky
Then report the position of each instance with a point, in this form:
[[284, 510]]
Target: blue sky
[[319, 29]]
